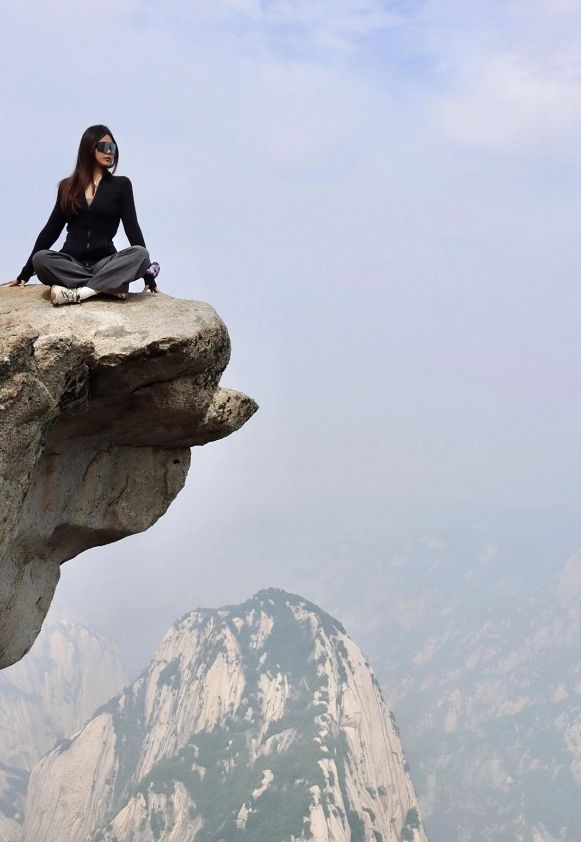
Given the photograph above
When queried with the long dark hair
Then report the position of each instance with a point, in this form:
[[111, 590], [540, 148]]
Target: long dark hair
[[72, 188]]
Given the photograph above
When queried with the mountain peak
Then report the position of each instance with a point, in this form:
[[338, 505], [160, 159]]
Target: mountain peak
[[277, 598], [259, 721]]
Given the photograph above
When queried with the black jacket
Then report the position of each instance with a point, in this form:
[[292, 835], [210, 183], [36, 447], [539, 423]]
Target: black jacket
[[91, 230]]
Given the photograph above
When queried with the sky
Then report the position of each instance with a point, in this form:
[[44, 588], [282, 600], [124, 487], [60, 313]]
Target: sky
[[382, 201]]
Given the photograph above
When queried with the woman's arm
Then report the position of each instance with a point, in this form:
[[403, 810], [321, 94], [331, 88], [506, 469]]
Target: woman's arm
[[129, 215], [47, 238]]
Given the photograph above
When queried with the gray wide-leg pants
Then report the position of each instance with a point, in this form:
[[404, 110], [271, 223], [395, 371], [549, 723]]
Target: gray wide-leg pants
[[113, 273]]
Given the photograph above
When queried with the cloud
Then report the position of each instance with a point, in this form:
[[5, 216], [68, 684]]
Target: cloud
[[340, 19], [505, 77], [500, 77], [505, 104], [326, 24]]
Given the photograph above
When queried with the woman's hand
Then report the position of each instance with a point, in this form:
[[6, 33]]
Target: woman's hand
[[150, 275], [16, 283]]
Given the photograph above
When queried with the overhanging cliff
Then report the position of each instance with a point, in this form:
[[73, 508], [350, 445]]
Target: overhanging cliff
[[99, 407]]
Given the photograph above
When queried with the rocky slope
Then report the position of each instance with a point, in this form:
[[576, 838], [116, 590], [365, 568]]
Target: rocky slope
[[13, 782], [478, 655], [99, 405], [261, 721], [51, 693]]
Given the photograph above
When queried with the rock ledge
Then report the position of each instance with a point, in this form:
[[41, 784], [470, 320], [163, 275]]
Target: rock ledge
[[99, 406]]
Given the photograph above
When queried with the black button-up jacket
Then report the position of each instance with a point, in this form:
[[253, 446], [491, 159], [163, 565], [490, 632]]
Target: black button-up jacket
[[91, 230]]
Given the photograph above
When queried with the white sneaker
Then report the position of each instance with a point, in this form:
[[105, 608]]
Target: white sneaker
[[62, 295]]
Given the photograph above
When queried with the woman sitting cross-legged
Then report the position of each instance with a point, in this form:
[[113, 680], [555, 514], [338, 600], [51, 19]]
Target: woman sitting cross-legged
[[91, 202]]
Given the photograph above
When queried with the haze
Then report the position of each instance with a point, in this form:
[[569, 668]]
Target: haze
[[382, 201]]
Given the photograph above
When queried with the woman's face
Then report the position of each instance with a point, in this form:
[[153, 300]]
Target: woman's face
[[105, 159]]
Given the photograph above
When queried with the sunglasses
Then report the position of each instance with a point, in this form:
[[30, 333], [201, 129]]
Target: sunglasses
[[106, 147]]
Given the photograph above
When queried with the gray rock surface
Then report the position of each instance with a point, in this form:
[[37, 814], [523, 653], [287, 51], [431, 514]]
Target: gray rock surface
[[261, 722], [70, 671], [99, 406]]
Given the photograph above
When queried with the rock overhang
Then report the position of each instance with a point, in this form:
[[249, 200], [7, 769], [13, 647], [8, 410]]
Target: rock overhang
[[99, 405]]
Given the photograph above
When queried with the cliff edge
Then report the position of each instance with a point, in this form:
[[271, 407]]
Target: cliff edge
[[99, 407]]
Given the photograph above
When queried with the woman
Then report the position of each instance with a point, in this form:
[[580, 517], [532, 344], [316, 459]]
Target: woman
[[91, 202]]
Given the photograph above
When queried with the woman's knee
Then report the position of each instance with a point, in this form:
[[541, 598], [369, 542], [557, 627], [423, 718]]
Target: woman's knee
[[139, 250], [141, 257], [41, 258]]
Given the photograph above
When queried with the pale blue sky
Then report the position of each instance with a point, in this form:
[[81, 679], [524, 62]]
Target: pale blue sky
[[382, 200]]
